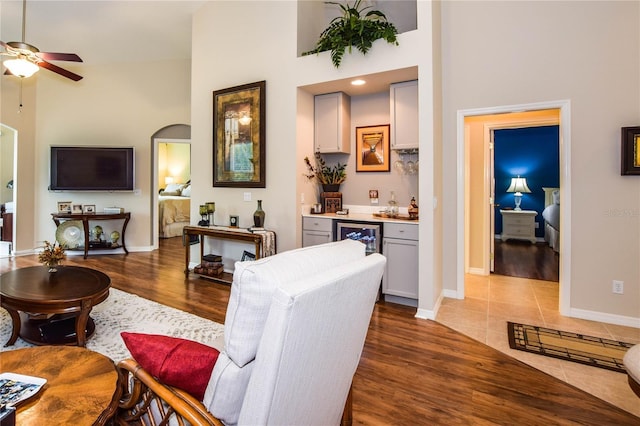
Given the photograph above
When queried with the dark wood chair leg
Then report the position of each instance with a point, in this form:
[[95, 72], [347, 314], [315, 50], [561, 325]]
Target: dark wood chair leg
[[347, 414]]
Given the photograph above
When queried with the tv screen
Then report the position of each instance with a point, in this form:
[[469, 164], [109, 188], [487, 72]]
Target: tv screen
[[86, 168]]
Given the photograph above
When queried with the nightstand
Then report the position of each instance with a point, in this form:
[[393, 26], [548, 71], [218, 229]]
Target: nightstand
[[519, 225]]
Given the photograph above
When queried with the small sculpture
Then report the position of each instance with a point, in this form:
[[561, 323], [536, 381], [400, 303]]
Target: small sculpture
[[413, 208]]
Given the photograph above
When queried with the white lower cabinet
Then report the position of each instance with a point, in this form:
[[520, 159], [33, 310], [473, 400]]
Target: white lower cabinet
[[400, 279], [316, 230]]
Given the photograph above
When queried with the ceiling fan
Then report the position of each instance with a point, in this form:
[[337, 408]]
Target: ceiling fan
[[25, 59]]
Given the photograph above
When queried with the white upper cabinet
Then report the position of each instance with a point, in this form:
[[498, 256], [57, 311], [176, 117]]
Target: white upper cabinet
[[404, 115], [332, 122]]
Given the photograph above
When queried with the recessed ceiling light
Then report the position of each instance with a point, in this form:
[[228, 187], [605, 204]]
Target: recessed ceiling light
[[358, 82]]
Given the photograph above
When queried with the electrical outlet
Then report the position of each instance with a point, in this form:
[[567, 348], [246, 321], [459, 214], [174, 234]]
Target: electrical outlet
[[247, 196], [618, 287]]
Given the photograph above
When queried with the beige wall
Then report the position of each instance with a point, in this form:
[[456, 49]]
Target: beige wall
[[23, 121], [509, 53], [113, 106]]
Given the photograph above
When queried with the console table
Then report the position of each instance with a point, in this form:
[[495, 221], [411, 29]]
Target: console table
[[264, 242], [86, 218]]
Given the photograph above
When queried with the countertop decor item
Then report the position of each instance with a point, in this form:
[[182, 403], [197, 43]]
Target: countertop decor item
[[325, 174], [52, 255], [258, 216], [354, 28]]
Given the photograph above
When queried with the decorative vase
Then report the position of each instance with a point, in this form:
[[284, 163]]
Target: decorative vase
[[52, 267], [258, 216], [331, 187]]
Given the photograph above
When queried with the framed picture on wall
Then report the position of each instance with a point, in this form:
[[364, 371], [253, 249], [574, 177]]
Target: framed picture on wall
[[372, 149], [239, 136], [630, 156]]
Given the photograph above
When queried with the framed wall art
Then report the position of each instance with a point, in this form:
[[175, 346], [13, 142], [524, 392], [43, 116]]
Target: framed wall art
[[630, 164], [239, 136], [76, 209], [372, 149]]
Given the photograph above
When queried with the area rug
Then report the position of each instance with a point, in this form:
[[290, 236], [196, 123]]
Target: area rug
[[127, 312], [589, 350]]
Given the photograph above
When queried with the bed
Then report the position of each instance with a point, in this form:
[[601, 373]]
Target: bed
[[174, 204], [551, 215]]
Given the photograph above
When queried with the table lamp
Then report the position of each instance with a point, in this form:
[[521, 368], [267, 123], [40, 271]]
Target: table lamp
[[518, 185]]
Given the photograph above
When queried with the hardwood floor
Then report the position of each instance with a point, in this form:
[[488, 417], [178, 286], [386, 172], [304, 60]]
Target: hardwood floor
[[516, 258], [412, 371]]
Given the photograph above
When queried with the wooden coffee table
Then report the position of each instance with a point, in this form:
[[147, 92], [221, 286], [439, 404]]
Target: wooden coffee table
[[82, 386], [52, 308]]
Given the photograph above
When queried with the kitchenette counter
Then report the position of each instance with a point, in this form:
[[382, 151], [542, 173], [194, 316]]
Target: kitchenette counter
[[363, 213]]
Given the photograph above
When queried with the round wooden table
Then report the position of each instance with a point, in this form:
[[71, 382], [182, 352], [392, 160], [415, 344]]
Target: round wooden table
[[52, 307], [82, 386]]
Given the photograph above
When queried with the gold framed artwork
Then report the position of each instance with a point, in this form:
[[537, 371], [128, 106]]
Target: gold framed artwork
[[239, 136], [630, 155], [372, 149]]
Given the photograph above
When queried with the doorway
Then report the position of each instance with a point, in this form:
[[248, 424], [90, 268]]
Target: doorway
[[8, 185], [178, 172], [525, 158], [476, 224]]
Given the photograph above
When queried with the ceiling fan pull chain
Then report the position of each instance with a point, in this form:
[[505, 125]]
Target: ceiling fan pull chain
[[20, 99], [24, 15]]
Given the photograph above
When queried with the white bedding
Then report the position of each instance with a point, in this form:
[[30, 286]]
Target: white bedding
[[551, 215]]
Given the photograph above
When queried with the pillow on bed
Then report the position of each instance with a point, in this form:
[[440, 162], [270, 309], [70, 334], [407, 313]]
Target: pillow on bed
[[173, 189], [186, 192]]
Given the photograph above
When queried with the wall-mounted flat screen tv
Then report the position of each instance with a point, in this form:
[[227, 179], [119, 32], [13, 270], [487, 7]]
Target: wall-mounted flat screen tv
[[89, 168]]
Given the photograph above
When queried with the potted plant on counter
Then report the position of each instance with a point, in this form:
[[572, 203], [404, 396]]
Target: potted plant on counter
[[330, 177]]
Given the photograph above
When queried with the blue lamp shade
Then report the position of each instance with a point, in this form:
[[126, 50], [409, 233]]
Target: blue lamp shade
[[518, 185]]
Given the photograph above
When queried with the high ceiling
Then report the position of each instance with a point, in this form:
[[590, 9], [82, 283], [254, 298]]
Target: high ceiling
[[103, 31]]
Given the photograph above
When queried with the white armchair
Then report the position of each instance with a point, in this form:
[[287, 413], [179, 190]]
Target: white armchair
[[294, 331]]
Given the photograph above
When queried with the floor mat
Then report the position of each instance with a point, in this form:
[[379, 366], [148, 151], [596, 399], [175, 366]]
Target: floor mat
[[589, 350]]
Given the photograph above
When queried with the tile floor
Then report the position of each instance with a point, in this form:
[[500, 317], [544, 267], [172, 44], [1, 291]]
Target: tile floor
[[493, 300]]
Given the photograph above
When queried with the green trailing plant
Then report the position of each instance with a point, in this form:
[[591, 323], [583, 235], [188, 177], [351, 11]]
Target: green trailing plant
[[354, 28], [324, 174]]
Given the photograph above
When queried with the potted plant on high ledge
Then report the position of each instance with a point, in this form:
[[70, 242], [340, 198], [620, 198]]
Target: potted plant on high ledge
[[330, 177], [353, 29]]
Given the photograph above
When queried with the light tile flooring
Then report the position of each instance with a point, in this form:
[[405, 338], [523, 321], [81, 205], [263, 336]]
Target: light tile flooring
[[493, 300]]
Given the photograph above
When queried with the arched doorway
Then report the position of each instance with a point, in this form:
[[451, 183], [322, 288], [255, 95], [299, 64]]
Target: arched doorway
[[175, 133]]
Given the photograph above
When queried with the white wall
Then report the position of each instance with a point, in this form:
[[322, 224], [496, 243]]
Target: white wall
[[507, 53], [227, 54]]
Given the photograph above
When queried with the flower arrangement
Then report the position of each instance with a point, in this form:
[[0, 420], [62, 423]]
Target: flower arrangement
[[324, 174], [52, 255]]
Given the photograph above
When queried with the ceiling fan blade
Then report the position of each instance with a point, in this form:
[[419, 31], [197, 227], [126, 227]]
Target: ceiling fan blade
[[51, 56], [58, 70]]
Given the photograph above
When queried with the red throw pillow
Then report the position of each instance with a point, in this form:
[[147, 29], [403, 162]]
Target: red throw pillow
[[182, 363]]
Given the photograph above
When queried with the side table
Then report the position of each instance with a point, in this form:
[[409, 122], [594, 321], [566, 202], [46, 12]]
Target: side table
[[82, 386], [518, 225]]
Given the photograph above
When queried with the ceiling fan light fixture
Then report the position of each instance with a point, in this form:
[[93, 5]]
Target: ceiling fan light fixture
[[21, 67]]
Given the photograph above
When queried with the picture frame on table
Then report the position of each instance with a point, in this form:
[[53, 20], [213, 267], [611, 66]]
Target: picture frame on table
[[246, 255], [64, 206], [88, 208], [373, 148], [239, 148], [630, 155], [76, 209]]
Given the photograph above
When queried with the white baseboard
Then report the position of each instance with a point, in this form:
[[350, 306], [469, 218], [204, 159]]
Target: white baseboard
[[430, 314], [605, 317]]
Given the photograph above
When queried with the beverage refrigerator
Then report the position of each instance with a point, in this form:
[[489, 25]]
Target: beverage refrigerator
[[369, 234]]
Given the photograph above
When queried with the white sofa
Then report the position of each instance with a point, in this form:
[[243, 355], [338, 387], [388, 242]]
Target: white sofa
[[294, 331]]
